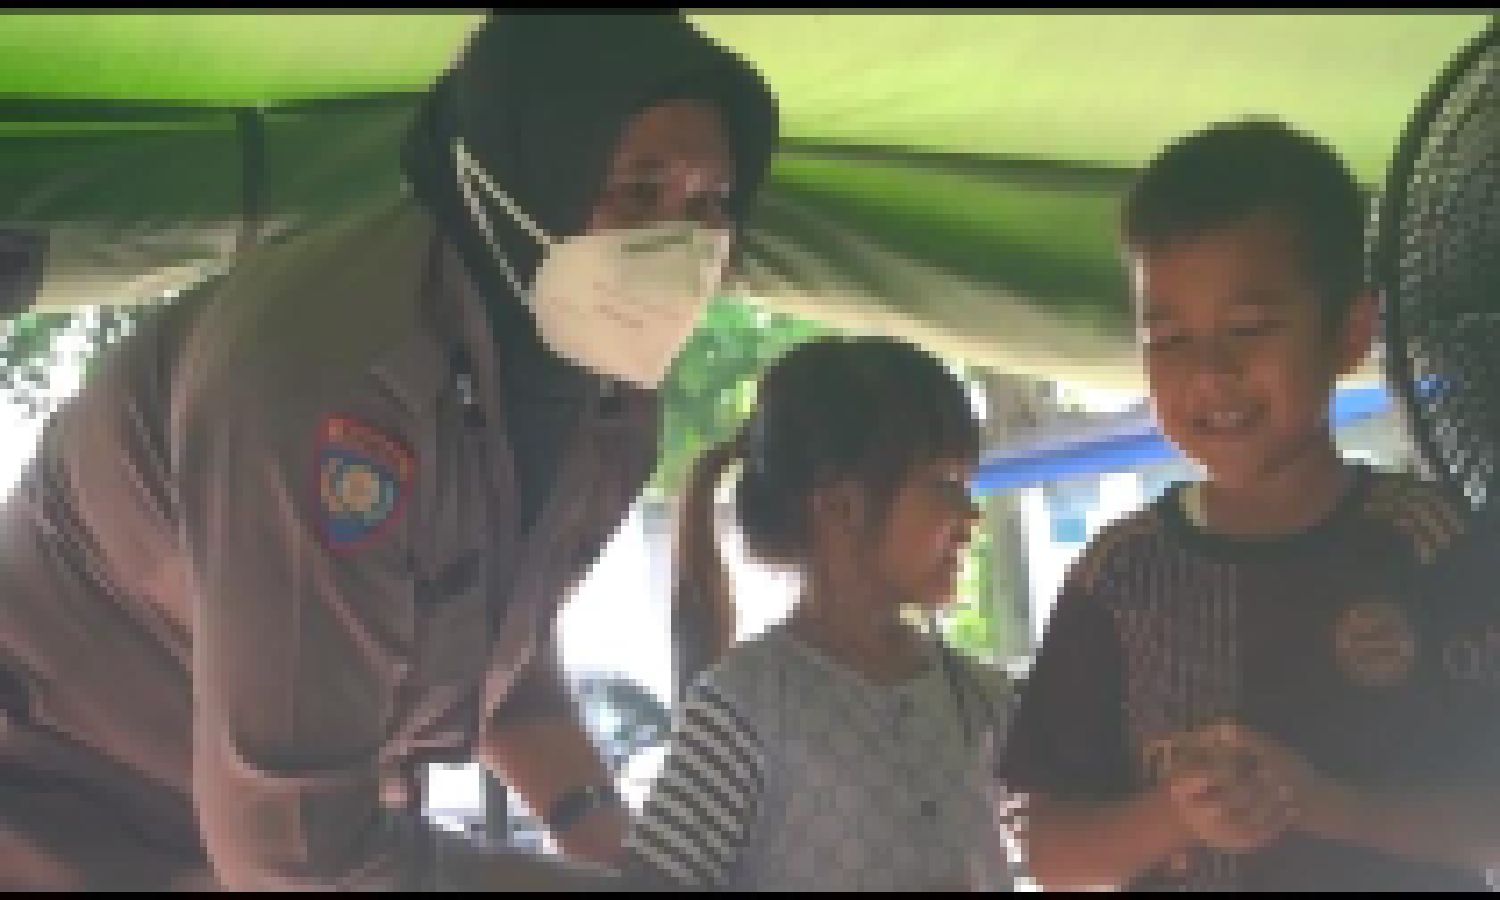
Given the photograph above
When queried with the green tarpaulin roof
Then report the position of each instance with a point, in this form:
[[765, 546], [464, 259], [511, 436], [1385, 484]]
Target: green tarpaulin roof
[[948, 177]]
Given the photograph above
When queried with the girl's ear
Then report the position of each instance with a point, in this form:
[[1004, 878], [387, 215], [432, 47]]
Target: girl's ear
[[839, 513], [841, 504]]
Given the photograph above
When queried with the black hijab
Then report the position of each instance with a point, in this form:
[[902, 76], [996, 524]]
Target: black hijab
[[540, 101]]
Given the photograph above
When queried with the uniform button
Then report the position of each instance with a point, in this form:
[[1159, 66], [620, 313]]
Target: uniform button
[[929, 809]]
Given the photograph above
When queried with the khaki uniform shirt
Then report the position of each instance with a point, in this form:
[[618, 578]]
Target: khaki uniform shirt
[[269, 560]]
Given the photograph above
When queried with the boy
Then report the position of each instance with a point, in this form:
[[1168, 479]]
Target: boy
[[1278, 678]]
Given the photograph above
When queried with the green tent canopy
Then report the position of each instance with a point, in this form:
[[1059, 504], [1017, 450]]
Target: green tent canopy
[[950, 178]]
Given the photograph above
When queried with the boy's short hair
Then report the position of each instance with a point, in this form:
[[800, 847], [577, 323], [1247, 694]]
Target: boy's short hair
[[1230, 171]]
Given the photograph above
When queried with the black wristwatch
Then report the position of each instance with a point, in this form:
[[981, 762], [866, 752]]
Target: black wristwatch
[[567, 810]]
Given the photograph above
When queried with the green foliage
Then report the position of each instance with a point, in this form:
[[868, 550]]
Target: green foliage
[[974, 625], [30, 351], [711, 387]]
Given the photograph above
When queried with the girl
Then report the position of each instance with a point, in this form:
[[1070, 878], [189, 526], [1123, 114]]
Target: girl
[[843, 749]]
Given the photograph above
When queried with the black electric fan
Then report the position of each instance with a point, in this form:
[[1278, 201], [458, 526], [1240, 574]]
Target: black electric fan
[[1435, 257]]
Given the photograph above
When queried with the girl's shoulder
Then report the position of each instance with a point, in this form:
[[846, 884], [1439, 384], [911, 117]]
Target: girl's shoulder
[[756, 673], [987, 683]]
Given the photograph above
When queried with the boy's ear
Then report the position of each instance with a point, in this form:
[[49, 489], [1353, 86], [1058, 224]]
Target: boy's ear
[[1357, 336]]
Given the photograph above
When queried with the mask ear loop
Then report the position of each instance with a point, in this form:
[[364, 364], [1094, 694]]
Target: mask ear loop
[[469, 171]]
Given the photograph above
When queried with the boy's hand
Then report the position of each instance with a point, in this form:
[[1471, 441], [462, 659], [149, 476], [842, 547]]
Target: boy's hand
[[1233, 817], [1317, 803], [1227, 795]]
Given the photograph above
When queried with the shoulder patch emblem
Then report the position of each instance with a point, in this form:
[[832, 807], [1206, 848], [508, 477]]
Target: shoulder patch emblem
[[364, 478]]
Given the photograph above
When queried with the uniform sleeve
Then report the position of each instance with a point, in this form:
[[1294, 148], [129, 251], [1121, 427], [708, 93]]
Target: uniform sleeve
[[703, 807], [1067, 737], [303, 599], [540, 691]]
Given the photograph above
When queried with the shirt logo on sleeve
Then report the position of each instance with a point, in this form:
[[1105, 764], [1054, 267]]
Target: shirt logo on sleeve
[[1374, 644], [364, 478]]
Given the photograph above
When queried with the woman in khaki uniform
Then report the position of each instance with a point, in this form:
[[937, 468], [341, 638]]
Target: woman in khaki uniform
[[308, 528]]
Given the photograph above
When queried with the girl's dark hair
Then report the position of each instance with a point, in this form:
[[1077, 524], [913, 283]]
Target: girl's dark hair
[[865, 409]]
